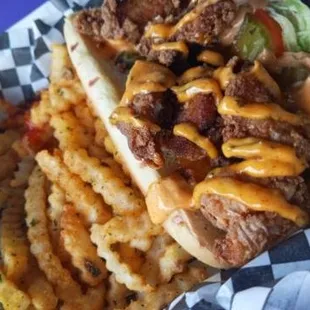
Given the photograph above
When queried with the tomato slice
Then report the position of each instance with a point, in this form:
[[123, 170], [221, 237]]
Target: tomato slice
[[274, 30]]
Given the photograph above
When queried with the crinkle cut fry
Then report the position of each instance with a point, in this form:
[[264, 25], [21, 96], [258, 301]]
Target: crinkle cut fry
[[40, 112], [11, 297], [110, 147], [164, 259], [62, 67], [39, 289], [123, 230], [89, 204], [94, 299], [66, 93], [13, 240], [21, 176], [61, 70], [150, 268], [40, 244], [115, 193], [8, 164], [83, 253], [101, 133], [85, 117], [57, 200], [165, 293], [173, 261], [6, 140], [69, 131], [59, 98], [117, 294]]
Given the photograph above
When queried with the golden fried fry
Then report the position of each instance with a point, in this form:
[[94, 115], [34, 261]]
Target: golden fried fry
[[103, 180], [117, 169], [164, 259], [64, 91], [97, 151], [130, 256], [6, 140], [40, 290], [62, 67], [150, 268], [11, 297], [57, 200], [85, 117], [64, 94], [13, 240], [21, 148], [110, 147], [101, 133], [41, 247], [69, 132], [123, 230], [173, 261], [164, 294], [8, 164], [83, 253], [40, 112], [21, 176], [89, 204], [118, 294], [142, 244], [94, 299]]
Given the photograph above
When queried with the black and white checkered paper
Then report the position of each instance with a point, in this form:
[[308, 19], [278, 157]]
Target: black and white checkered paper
[[276, 280]]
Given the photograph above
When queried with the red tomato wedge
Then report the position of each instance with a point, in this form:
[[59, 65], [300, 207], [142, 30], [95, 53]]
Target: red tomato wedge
[[274, 30]]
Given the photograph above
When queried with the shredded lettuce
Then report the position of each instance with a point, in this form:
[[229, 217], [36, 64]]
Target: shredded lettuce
[[298, 14], [288, 31]]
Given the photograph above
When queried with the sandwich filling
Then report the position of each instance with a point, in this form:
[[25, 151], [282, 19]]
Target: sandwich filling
[[228, 136]]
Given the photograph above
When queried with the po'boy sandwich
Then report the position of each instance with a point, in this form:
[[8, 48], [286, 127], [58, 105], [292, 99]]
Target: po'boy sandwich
[[217, 142]]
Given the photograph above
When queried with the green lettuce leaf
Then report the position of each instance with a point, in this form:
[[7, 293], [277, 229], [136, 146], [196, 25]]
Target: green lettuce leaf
[[299, 15]]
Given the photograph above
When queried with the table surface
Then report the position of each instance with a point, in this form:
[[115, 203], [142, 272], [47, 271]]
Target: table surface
[[12, 11]]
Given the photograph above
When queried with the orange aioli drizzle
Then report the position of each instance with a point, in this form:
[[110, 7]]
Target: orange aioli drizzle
[[191, 133], [193, 74], [175, 46], [207, 86], [264, 158], [124, 114], [166, 195], [165, 31], [264, 77], [211, 58], [257, 198], [229, 106], [224, 75], [146, 77]]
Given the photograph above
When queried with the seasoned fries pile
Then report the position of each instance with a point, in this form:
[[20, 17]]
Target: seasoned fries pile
[[74, 229]]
